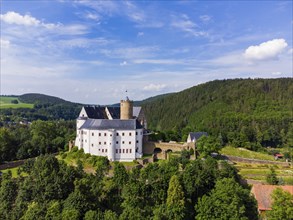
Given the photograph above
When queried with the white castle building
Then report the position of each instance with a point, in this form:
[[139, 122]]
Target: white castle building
[[114, 132]]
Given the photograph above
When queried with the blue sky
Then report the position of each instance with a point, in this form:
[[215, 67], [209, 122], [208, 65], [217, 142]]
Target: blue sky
[[91, 51]]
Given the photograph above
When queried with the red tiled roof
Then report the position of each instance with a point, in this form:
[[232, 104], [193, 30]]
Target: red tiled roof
[[262, 194]]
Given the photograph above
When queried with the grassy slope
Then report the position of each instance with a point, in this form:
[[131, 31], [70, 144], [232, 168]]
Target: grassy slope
[[240, 152], [5, 102]]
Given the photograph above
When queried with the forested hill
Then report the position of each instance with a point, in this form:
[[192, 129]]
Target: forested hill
[[45, 108], [36, 98], [240, 110]]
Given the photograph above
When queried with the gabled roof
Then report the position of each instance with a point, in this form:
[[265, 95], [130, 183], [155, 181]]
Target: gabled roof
[[98, 112], [262, 194], [104, 124], [136, 111], [95, 112], [114, 111], [197, 135]]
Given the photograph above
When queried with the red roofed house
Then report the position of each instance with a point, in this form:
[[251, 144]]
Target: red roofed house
[[262, 194]]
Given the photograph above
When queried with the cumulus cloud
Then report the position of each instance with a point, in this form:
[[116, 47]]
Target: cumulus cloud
[[12, 17], [154, 87], [266, 51]]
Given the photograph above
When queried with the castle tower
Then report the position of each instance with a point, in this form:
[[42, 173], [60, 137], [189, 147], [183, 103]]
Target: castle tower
[[126, 109]]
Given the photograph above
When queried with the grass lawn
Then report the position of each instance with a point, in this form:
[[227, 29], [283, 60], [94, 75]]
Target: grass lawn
[[241, 152], [5, 102]]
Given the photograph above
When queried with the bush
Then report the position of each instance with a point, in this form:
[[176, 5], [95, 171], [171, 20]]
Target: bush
[[14, 101]]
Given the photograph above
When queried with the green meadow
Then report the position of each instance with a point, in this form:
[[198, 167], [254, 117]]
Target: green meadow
[[5, 102]]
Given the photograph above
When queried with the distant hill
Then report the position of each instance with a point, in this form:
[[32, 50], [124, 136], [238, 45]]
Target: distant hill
[[44, 107], [245, 110], [36, 98]]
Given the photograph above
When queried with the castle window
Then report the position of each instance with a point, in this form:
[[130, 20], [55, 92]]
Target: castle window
[[117, 134], [106, 150], [110, 135], [129, 142], [105, 134], [123, 150], [93, 134], [105, 142], [102, 150], [100, 143], [116, 151], [92, 145], [130, 151], [122, 142], [129, 133], [99, 134], [127, 151], [119, 151], [136, 150], [122, 133], [135, 133], [116, 142], [137, 141]]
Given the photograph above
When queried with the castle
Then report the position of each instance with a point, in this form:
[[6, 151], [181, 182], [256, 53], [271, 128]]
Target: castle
[[114, 132]]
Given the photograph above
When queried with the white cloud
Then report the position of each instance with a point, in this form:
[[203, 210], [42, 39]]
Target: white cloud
[[130, 52], [153, 61], [92, 16], [12, 17], [83, 42], [276, 73], [154, 87], [140, 34], [266, 51], [124, 63], [5, 43], [184, 23]]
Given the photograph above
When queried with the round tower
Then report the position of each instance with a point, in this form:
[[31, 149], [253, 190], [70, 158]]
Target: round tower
[[126, 109]]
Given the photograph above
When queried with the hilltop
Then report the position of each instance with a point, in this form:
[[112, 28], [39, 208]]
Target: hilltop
[[36, 98]]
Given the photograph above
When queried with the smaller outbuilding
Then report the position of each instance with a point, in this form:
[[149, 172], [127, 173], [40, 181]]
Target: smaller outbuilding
[[194, 136], [262, 194]]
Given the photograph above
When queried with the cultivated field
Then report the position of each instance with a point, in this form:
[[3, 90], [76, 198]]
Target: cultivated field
[[5, 102]]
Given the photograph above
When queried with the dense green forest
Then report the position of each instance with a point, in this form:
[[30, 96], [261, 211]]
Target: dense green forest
[[242, 112], [41, 137], [174, 189]]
